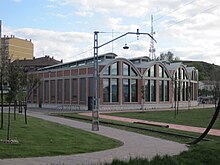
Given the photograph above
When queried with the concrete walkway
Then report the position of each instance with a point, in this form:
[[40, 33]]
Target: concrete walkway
[[135, 145]]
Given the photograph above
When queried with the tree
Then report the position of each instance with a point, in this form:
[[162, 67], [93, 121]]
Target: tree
[[3, 76], [169, 56], [13, 84], [31, 82]]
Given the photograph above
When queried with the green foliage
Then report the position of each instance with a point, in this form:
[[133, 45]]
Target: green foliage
[[16, 79], [43, 138], [206, 71], [169, 56]]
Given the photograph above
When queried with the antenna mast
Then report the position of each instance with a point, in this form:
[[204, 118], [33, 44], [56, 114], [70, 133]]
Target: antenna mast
[[152, 50]]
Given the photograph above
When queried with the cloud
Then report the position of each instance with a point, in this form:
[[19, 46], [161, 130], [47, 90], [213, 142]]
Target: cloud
[[17, 1], [189, 29], [61, 45]]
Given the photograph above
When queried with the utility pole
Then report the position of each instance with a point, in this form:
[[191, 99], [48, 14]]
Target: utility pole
[[152, 50]]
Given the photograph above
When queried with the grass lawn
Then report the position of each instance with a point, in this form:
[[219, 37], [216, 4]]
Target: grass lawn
[[193, 117], [203, 153], [43, 138]]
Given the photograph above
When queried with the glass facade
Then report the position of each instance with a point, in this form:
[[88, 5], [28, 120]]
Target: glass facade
[[67, 89], [161, 90], [106, 90], [107, 71], [147, 90], [126, 90], [74, 89], [167, 90], [133, 90], [153, 90], [114, 69], [114, 84], [46, 91], [125, 69], [59, 90], [52, 90], [83, 89]]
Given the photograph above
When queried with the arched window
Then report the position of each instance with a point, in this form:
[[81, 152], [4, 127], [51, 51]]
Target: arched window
[[130, 85], [151, 72], [128, 78], [162, 72], [128, 70]]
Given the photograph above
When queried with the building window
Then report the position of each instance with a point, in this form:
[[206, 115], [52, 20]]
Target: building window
[[147, 90], [125, 69], [114, 69], [126, 90], [83, 89], [167, 90], [114, 84], [106, 71], [41, 92], [161, 71], [91, 86], [187, 91], [128, 71], [52, 90], [46, 90], [151, 72], [74, 89], [153, 90], [35, 95], [59, 90], [133, 90], [67, 89], [106, 90], [161, 90]]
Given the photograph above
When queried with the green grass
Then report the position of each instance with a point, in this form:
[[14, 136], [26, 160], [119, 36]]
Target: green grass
[[204, 153], [76, 116], [43, 138], [193, 117]]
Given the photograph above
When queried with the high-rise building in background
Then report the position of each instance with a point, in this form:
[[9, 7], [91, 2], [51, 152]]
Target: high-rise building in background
[[16, 49]]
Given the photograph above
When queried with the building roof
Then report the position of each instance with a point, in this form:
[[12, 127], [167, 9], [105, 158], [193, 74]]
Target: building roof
[[37, 62], [103, 59], [173, 66]]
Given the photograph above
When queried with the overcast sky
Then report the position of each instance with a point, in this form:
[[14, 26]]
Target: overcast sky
[[64, 29]]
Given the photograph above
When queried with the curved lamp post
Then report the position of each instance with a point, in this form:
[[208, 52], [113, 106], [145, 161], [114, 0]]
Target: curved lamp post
[[95, 95]]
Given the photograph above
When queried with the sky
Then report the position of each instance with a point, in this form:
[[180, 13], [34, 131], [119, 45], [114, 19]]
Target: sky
[[64, 29]]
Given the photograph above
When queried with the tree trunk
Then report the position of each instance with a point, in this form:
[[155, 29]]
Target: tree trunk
[[9, 122], [209, 126], [2, 106], [15, 110], [25, 113]]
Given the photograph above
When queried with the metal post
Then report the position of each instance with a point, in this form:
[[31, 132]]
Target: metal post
[[95, 100]]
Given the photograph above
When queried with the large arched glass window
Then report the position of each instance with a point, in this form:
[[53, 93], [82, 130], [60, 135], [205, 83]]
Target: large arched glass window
[[151, 72], [128, 70], [162, 72], [114, 69]]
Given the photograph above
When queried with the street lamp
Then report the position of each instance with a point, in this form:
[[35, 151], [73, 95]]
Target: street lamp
[[95, 95]]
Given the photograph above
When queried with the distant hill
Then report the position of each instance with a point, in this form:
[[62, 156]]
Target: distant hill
[[206, 70]]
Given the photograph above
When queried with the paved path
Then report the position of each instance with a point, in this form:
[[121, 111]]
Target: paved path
[[135, 145], [215, 132]]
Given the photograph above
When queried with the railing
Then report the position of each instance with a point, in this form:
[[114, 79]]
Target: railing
[[68, 107]]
